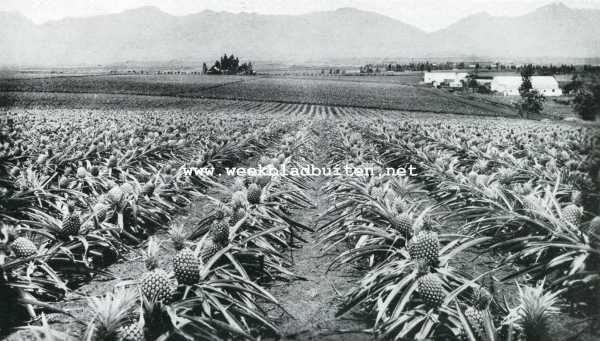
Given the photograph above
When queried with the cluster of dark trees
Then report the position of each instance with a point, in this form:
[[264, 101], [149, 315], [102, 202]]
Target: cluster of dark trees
[[586, 103], [474, 86], [228, 65]]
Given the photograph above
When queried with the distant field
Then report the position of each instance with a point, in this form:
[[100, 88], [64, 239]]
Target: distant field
[[7, 75], [156, 85], [412, 78], [101, 101], [386, 92]]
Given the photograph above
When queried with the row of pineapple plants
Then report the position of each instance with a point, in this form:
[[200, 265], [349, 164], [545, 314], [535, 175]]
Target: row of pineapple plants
[[410, 288], [122, 214], [534, 217], [211, 270], [539, 230]]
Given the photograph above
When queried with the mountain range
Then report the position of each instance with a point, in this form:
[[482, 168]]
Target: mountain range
[[148, 34]]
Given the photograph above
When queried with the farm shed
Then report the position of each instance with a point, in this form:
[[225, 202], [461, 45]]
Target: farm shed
[[509, 85], [453, 79]]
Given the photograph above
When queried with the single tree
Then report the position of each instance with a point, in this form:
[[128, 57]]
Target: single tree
[[531, 100], [573, 86], [531, 103]]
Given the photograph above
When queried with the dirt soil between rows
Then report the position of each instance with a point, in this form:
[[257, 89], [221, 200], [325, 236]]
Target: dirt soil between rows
[[312, 302]]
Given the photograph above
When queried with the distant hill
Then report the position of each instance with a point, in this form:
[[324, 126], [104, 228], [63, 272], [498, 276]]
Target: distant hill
[[551, 31], [148, 34]]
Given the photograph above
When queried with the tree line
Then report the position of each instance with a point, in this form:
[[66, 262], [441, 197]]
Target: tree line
[[427, 66]]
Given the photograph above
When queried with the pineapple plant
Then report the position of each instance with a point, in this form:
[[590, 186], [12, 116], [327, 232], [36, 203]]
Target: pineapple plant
[[532, 202], [237, 215], [71, 225], [112, 312], [128, 189], [157, 322], [186, 264], [399, 205], [475, 318], [115, 195], [254, 193], [23, 247], [403, 224], [132, 332], [534, 311], [238, 200], [155, 284], [238, 185], [425, 245], [430, 290], [101, 210], [263, 180], [572, 214], [219, 233], [209, 249]]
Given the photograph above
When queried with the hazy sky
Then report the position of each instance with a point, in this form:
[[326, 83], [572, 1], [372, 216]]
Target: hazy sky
[[425, 14]]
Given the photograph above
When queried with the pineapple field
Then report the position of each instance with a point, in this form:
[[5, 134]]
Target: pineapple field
[[106, 235]]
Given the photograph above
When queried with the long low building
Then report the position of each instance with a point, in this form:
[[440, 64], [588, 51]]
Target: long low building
[[452, 79], [509, 85]]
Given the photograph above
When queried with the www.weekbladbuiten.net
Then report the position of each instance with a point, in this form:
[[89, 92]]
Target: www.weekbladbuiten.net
[[309, 170]]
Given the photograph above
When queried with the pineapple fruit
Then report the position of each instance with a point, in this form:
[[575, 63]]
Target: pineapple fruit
[[475, 318], [219, 233], [209, 249], [572, 215], [155, 284], [132, 332], [430, 290], [23, 247], [425, 245], [237, 215], [115, 195], [254, 193], [101, 210], [70, 225], [403, 224], [186, 264]]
